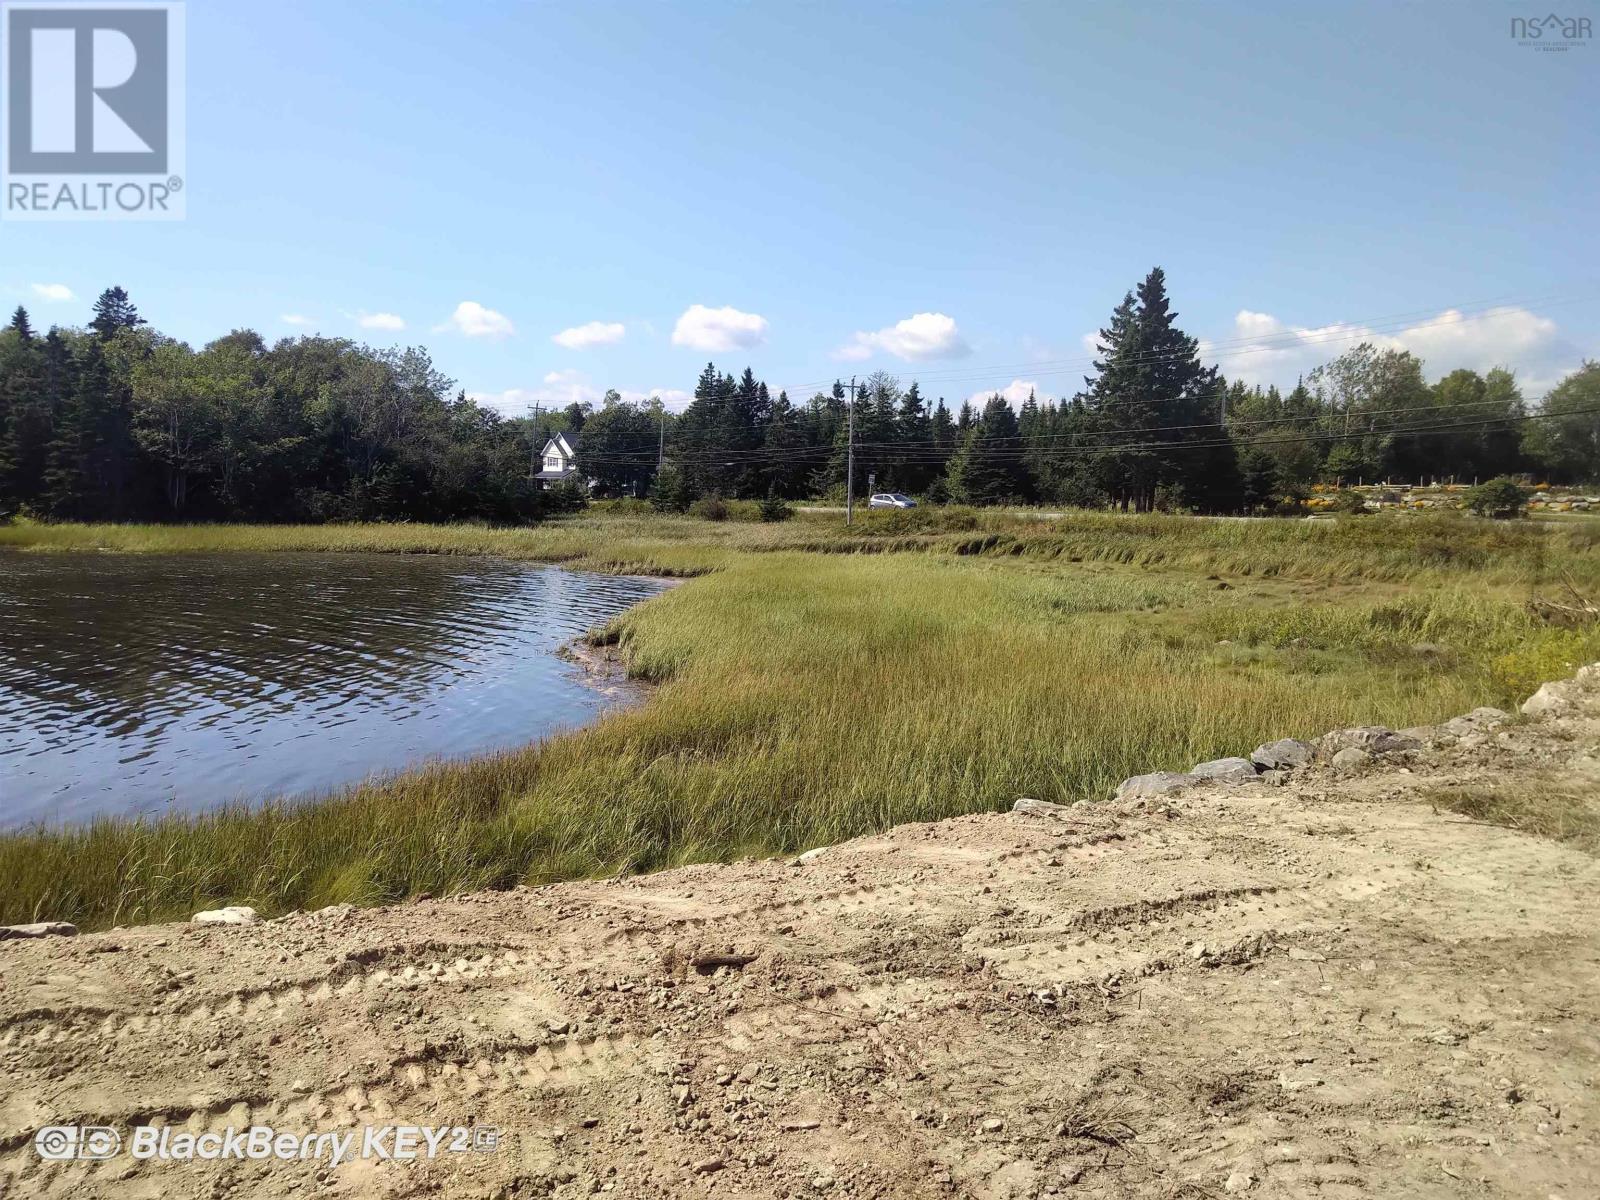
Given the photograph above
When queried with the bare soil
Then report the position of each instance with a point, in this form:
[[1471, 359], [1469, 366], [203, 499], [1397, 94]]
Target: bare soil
[[1327, 988]]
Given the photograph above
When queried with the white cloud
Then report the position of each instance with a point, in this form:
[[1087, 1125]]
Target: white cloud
[[1266, 350], [1016, 392], [595, 333], [381, 320], [296, 319], [719, 330], [472, 319], [569, 386], [916, 339], [55, 293]]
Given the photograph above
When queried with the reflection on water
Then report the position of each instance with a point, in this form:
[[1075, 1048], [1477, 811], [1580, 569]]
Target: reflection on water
[[142, 683]]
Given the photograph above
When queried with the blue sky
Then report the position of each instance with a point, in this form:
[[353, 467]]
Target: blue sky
[[954, 192]]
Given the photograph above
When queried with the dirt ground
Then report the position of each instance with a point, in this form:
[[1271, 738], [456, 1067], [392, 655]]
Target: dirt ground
[[1327, 988]]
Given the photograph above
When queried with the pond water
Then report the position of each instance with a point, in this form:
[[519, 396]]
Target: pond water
[[155, 683]]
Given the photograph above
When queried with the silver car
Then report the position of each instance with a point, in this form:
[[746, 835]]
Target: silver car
[[891, 500]]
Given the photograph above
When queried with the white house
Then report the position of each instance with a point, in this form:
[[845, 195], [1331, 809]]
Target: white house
[[559, 460]]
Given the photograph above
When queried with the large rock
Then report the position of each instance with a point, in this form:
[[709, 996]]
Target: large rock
[[1476, 721], [1374, 739], [1351, 758], [1226, 770], [233, 914], [38, 929], [1157, 783], [1285, 754], [1550, 700]]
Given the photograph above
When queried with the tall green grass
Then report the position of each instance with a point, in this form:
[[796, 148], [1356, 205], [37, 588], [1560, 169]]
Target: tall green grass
[[807, 697], [1391, 548]]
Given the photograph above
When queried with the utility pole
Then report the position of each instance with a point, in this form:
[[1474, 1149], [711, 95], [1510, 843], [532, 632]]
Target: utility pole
[[850, 457], [533, 442], [661, 452]]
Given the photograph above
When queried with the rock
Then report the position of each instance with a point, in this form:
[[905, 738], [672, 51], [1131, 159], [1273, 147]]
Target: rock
[[38, 929], [810, 856], [1476, 721], [1300, 954], [1550, 700], [300, 1087], [707, 1166], [1351, 759], [1157, 783], [1239, 1181], [1275, 778], [1374, 739], [1226, 770], [993, 1125], [233, 914], [557, 1027], [1285, 754], [1197, 951], [1039, 808]]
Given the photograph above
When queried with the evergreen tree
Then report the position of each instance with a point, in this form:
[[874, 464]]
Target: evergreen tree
[[783, 447], [1155, 409], [113, 311], [19, 323], [988, 468]]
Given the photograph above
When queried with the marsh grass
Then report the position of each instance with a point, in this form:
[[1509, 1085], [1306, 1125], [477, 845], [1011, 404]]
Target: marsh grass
[[809, 693], [1541, 807]]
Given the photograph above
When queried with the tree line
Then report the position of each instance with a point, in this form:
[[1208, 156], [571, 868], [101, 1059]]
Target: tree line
[[118, 422]]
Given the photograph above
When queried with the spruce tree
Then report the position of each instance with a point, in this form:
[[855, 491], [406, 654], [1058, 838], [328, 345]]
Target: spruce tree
[[19, 323], [988, 468], [113, 311], [1155, 409]]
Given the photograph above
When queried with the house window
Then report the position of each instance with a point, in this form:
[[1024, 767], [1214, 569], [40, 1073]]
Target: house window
[[552, 462]]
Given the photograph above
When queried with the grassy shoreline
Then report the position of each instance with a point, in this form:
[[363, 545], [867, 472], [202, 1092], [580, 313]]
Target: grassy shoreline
[[816, 684]]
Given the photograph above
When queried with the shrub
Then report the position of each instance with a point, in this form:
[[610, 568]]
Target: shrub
[[624, 506], [1501, 499], [671, 491], [566, 496], [710, 508], [1351, 503], [1170, 498], [775, 508]]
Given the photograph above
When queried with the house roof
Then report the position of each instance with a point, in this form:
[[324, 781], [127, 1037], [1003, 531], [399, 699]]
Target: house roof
[[564, 443], [567, 474]]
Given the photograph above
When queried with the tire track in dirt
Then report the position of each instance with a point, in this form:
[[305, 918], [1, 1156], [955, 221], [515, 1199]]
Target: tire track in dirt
[[439, 1086], [893, 897], [398, 968], [1216, 920]]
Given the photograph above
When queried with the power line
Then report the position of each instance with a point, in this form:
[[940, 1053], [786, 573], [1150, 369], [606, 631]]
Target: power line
[[1233, 348], [1019, 453], [1235, 424]]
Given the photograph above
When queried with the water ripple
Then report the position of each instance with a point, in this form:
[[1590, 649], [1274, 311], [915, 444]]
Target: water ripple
[[139, 683]]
